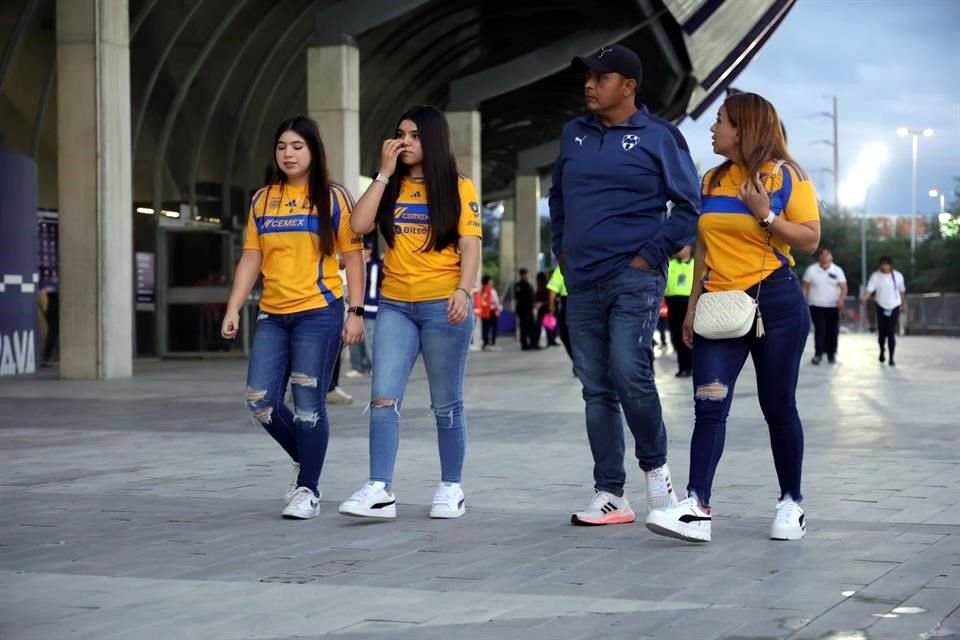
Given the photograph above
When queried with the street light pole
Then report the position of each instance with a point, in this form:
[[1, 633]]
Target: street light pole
[[915, 133], [836, 159]]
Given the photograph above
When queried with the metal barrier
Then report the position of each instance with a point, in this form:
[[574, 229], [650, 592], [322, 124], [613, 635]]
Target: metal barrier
[[933, 313]]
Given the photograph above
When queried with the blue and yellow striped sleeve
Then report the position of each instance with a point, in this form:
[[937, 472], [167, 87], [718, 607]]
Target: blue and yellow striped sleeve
[[802, 200], [341, 210]]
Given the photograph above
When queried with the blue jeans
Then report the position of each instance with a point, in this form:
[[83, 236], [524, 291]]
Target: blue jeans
[[300, 348], [611, 331], [776, 358], [404, 331]]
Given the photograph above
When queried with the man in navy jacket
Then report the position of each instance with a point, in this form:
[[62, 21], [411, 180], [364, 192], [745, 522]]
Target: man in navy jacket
[[618, 167]]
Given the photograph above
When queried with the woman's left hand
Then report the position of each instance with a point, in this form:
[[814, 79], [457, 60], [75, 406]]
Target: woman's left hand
[[353, 330], [458, 306], [755, 197]]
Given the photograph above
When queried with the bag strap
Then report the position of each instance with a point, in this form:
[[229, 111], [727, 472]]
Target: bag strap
[[763, 261]]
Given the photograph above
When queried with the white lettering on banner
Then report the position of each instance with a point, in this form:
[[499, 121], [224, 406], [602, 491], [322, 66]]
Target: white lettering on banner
[[17, 354]]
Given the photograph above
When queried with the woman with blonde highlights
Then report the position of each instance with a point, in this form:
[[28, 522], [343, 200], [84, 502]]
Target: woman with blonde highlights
[[758, 206]]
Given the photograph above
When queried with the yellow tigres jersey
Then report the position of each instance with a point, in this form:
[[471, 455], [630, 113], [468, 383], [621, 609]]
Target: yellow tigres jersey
[[738, 255], [411, 274], [284, 228]]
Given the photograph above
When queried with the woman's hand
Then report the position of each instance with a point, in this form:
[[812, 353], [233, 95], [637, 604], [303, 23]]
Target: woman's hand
[[458, 306], [755, 197], [230, 325], [353, 330], [688, 330], [388, 156]]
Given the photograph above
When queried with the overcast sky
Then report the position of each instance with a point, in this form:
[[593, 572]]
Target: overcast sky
[[890, 63]]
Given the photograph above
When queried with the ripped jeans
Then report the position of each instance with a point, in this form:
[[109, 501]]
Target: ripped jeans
[[404, 331], [776, 359], [300, 348]]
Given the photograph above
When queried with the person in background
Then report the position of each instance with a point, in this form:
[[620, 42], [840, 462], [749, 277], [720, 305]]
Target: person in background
[[557, 303], [662, 324], [677, 295], [523, 299], [487, 303], [886, 286], [335, 393], [825, 288], [543, 308]]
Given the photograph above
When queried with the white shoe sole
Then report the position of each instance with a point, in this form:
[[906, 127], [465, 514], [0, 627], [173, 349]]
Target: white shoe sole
[[446, 514], [300, 515], [357, 511], [659, 523], [791, 533]]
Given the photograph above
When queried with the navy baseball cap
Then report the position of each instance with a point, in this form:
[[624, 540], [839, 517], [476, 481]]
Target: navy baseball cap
[[612, 59]]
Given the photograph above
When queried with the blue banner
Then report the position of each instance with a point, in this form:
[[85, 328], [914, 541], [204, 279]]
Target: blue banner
[[18, 264]]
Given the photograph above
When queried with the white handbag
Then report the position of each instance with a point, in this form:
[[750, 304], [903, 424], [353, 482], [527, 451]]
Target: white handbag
[[730, 314], [726, 314]]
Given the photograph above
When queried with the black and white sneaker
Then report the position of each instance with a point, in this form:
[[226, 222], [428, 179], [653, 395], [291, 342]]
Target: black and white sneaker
[[686, 521], [303, 505], [789, 523], [373, 500]]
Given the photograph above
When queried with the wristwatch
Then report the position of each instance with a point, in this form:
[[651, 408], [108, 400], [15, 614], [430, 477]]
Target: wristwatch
[[766, 222], [357, 311]]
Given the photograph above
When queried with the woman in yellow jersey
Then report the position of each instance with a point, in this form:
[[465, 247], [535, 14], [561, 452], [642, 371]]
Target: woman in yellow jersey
[[757, 207], [430, 218], [298, 225]]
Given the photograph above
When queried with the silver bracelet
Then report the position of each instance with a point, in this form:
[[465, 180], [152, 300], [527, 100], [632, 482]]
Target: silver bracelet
[[382, 179]]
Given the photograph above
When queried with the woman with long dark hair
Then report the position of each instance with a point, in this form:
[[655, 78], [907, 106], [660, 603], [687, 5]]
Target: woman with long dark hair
[[298, 225], [757, 207], [429, 216]]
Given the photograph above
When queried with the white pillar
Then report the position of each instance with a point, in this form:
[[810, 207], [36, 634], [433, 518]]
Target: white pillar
[[333, 100], [508, 246], [465, 140], [95, 192], [527, 199]]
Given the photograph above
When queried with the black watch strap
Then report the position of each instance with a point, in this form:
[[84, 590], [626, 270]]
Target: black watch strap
[[357, 311]]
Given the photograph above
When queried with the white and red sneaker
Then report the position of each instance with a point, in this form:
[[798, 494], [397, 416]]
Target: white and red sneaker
[[605, 508]]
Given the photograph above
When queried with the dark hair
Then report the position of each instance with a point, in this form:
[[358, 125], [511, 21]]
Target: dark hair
[[485, 279], [823, 247], [440, 177], [318, 182], [523, 271], [886, 260]]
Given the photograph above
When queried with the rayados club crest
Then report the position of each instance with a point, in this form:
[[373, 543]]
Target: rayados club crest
[[629, 141]]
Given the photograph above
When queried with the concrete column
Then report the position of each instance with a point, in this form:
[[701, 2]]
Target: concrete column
[[333, 100], [465, 140], [508, 246], [95, 192], [527, 196]]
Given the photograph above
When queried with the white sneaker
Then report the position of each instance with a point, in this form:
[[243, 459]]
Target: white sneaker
[[303, 506], [789, 523], [448, 501], [293, 485], [605, 508], [353, 373], [373, 500], [686, 521], [660, 494], [339, 396]]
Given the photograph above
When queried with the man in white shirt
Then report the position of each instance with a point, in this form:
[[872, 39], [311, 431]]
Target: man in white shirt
[[825, 287], [887, 287]]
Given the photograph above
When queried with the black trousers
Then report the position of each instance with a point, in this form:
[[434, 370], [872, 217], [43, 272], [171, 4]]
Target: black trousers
[[826, 329], [887, 328], [529, 335], [53, 326], [489, 330], [676, 312]]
